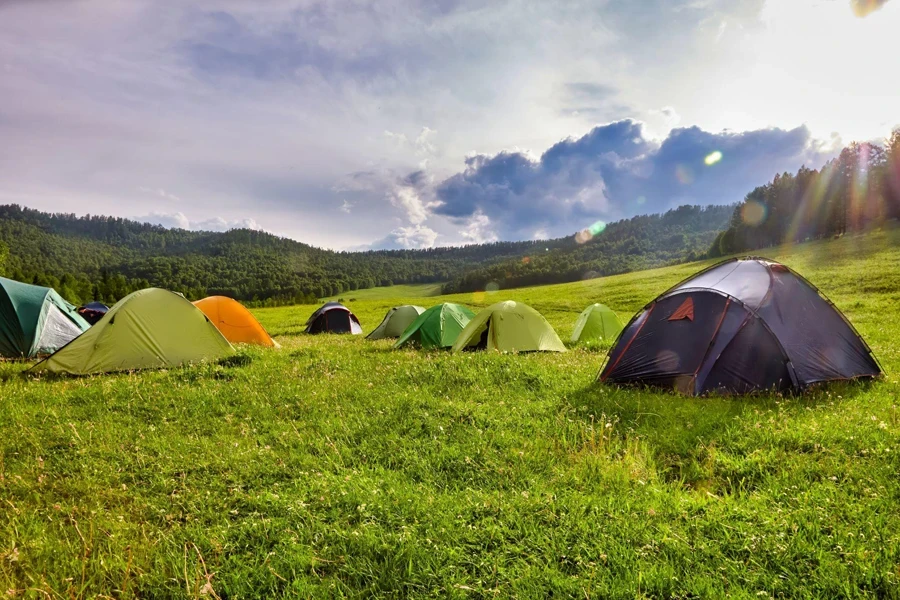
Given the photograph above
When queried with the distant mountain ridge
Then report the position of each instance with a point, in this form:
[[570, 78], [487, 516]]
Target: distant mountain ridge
[[105, 258]]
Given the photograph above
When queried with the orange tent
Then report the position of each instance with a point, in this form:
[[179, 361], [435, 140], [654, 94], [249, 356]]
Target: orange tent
[[234, 321]]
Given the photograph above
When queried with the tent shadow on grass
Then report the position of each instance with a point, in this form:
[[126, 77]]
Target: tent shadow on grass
[[683, 432]]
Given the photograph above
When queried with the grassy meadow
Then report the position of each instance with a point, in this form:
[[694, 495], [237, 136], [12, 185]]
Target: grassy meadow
[[337, 467]]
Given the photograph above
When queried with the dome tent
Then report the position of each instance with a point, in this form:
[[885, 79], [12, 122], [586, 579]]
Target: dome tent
[[234, 321], [437, 327], [740, 326], [150, 328], [35, 320], [509, 327], [596, 322], [93, 312], [396, 321], [333, 317]]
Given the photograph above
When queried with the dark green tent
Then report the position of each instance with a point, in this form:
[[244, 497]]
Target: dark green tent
[[437, 327], [35, 320]]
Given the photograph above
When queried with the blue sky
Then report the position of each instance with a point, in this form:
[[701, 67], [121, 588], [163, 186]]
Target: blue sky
[[396, 123]]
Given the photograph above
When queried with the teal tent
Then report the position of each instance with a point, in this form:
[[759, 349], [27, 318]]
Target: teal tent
[[437, 327], [35, 320]]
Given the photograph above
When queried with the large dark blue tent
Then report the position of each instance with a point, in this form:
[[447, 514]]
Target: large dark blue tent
[[739, 326]]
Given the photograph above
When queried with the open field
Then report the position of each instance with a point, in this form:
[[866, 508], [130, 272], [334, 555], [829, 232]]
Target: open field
[[336, 467]]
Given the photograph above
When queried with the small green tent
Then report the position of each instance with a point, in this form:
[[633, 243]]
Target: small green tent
[[35, 320], [437, 327], [596, 322], [148, 329], [509, 327], [396, 321]]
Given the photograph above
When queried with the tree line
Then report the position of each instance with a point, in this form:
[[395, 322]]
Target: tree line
[[856, 191], [105, 258], [642, 242]]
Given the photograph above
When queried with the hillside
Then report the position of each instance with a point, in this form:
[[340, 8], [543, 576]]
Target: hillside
[[105, 258], [336, 467]]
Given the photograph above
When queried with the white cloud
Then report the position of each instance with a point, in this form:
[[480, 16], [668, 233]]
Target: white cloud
[[179, 220], [410, 200], [423, 145], [404, 238], [478, 230], [346, 207]]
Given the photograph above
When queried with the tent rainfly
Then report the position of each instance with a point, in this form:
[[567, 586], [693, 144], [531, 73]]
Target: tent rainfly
[[437, 327], [35, 320], [234, 321], [333, 317], [150, 328], [740, 326], [596, 322], [396, 321], [509, 327]]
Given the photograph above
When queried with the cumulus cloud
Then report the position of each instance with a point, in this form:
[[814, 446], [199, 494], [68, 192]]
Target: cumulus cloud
[[404, 238], [410, 194], [179, 220], [615, 171], [478, 230]]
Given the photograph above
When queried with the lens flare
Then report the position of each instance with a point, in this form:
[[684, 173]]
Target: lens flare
[[526, 260], [492, 287], [641, 200], [586, 235], [684, 175], [712, 158], [753, 213]]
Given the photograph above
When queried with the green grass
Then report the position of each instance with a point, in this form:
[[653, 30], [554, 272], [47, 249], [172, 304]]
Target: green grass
[[335, 467], [412, 290]]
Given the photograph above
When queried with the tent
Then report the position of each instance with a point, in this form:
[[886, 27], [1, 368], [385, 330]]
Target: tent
[[509, 327], [35, 320], [333, 317], [739, 326], [396, 321], [596, 322], [150, 328], [93, 311], [437, 327], [234, 321]]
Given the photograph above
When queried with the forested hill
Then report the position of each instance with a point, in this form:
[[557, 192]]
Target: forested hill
[[105, 258], [858, 190]]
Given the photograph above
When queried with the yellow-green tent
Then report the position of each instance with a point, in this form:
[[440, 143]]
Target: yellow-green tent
[[596, 322], [396, 321], [148, 329], [509, 327]]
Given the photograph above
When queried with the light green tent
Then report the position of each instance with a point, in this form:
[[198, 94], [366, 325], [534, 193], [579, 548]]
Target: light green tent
[[509, 327], [396, 321], [152, 328], [437, 327], [35, 320], [596, 322]]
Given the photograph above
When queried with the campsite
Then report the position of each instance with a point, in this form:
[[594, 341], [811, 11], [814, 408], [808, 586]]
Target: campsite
[[403, 299], [339, 466]]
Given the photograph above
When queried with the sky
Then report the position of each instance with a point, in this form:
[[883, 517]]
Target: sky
[[350, 124]]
